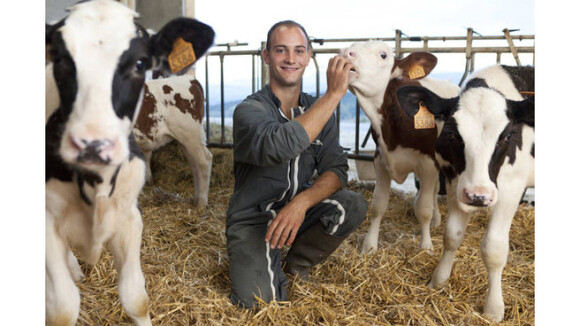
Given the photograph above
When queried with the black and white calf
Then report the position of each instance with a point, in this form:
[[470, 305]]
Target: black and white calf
[[94, 170], [486, 150]]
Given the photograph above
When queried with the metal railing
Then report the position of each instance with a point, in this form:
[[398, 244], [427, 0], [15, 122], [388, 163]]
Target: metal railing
[[260, 71]]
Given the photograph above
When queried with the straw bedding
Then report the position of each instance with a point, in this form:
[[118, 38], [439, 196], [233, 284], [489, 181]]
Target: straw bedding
[[185, 263]]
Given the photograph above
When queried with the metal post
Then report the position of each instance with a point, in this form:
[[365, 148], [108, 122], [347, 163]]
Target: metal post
[[207, 133], [357, 133], [253, 74], [467, 53], [398, 44], [223, 138], [508, 37], [265, 68]]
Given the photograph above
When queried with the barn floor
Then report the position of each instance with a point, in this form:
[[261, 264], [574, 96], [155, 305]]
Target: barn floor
[[185, 263]]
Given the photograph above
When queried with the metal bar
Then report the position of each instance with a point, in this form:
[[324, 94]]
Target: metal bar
[[508, 37], [207, 133], [468, 49], [357, 128], [467, 54], [223, 126], [398, 44]]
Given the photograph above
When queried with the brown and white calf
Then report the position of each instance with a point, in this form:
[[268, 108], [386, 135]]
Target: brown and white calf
[[173, 109], [486, 151], [94, 169], [400, 148]]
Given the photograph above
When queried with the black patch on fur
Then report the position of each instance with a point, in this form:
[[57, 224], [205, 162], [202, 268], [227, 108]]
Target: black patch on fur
[[533, 150], [475, 82], [508, 142], [451, 147], [523, 77], [90, 178], [64, 71], [129, 78]]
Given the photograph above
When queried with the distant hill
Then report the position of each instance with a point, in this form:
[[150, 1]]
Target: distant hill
[[237, 91]]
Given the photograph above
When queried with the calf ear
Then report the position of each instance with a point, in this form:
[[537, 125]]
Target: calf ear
[[50, 30], [200, 35], [522, 111], [411, 65], [410, 96]]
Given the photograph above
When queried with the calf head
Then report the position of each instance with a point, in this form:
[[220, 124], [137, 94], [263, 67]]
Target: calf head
[[99, 57], [482, 131], [374, 65]]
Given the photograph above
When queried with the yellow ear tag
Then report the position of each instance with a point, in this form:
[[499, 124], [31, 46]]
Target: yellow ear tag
[[182, 55], [424, 119], [416, 71]]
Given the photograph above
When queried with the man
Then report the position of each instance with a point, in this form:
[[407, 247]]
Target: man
[[281, 137]]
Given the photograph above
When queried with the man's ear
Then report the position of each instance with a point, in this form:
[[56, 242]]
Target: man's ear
[[410, 97], [416, 65], [266, 56], [522, 111], [192, 31]]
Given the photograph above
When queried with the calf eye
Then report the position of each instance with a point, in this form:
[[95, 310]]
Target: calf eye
[[141, 65], [508, 136], [383, 55]]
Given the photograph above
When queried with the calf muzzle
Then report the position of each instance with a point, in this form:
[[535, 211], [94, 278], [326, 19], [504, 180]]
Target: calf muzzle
[[477, 197], [95, 151]]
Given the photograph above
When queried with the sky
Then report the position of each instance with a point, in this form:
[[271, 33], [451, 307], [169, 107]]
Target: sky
[[249, 22]]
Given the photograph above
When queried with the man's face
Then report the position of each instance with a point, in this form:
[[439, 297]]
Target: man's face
[[288, 56]]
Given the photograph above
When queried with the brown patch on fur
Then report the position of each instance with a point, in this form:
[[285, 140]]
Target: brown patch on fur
[[167, 89], [193, 106], [197, 91], [144, 123], [398, 128]]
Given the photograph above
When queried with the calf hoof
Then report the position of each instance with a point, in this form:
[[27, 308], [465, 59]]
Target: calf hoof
[[368, 248], [426, 245], [494, 312]]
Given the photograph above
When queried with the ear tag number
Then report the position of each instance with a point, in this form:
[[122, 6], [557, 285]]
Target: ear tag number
[[182, 55], [416, 71], [424, 119]]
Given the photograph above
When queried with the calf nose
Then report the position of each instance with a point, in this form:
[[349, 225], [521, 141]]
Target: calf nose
[[93, 151], [477, 196]]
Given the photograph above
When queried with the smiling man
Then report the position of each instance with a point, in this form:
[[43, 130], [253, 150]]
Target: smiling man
[[290, 174]]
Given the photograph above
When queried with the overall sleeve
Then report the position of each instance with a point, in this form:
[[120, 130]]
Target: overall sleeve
[[261, 139], [331, 156]]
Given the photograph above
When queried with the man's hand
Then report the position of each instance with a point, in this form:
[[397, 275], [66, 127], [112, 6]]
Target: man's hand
[[283, 229], [337, 75]]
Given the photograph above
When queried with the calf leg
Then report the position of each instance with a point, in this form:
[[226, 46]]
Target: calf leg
[[199, 158], [454, 233], [436, 219], [426, 204], [126, 248], [62, 296], [494, 250], [380, 203], [147, 155]]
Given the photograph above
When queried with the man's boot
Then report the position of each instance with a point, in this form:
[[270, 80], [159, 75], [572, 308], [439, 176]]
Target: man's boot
[[309, 249]]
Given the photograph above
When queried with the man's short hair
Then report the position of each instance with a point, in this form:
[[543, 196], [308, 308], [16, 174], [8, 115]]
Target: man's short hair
[[287, 23]]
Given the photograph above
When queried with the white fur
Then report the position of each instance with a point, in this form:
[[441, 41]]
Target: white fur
[[369, 82], [96, 33], [481, 118], [174, 124]]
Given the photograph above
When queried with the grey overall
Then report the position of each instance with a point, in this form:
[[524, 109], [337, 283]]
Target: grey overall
[[273, 161]]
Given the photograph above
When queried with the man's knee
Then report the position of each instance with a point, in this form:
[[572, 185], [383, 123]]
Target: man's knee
[[355, 207]]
